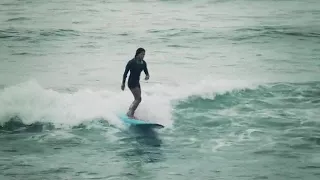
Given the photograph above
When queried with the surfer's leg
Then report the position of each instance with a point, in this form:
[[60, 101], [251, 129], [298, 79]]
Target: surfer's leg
[[136, 91]]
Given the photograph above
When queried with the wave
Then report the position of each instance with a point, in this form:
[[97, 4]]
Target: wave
[[18, 19], [276, 31], [20, 34], [31, 103], [307, 92]]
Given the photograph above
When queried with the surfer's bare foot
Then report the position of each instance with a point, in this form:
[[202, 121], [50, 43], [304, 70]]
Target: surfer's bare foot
[[130, 115], [133, 117]]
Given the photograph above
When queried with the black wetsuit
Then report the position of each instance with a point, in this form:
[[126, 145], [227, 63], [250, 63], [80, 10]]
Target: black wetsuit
[[135, 69]]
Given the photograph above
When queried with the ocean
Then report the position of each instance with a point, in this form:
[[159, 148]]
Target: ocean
[[235, 83]]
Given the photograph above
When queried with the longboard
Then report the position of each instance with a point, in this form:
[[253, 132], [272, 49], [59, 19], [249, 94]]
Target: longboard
[[136, 122]]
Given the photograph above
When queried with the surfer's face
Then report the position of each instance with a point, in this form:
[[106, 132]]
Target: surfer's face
[[141, 55]]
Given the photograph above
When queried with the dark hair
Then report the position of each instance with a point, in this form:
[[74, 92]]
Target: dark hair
[[139, 50]]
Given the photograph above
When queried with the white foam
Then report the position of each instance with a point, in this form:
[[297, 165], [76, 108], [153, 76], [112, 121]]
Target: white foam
[[32, 103]]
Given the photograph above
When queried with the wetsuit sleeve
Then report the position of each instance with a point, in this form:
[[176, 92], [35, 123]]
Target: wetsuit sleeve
[[145, 69], [126, 72]]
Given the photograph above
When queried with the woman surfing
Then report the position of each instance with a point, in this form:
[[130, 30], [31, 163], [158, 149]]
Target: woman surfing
[[135, 66]]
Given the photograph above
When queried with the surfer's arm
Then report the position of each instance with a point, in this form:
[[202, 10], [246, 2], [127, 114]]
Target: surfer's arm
[[145, 69], [125, 73]]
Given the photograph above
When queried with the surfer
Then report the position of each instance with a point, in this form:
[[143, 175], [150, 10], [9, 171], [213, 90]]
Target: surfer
[[135, 66]]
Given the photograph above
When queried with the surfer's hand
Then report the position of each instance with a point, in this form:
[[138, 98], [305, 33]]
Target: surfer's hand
[[147, 77], [122, 87]]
